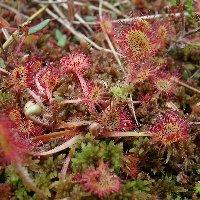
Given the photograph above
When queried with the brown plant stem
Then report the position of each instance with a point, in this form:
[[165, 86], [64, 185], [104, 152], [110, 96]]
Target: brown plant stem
[[27, 181], [145, 17], [127, 134], [108, 39], [186, 85], [65, 167], [54, 135], [59, 148]]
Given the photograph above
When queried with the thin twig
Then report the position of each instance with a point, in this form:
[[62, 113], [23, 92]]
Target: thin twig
[[186, 85], [79, 35], [114, 9], [127, 134], [107, 4], [196, 73], [15, 34], [171, 105], [108, 39], [121, 2], [195, 123], [53, 136], [65, 167], [74, 124], [4, 71], [59, 148], [50, 2], [36, 97], [5, 33], [146, 17], [71, 101], [192, 32], [133, 110], [79, 18], [91, 7]]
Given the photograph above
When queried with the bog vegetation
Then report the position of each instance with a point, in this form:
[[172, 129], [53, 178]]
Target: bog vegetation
[[100, 100]]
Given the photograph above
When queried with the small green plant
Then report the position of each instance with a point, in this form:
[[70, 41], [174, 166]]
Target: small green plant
[[137, 190], [174, 2], [91, 153], [121, 92], [190, 7], [197, 188], [5, 98]]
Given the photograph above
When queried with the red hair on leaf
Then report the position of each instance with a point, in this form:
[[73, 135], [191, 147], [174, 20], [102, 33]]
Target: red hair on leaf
[[46, 80], [77, 63], [131, 162], [22, 77], [163, 83], [116, 119], [136, 40], [170, 128], [100, 181]]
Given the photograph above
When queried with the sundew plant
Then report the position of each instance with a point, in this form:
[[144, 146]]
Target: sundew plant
[[99, 100]]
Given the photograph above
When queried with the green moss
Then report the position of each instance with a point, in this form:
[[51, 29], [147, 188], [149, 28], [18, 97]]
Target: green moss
[[121, 92], [43, 172], [168, 188], [89, 153], [67, 188], [20, 191], [197, 188], [189, 52], [192, 52], [136, 190], [174, 2], [5, 99]]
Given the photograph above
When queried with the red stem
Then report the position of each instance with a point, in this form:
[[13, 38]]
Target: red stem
[[83, 85], [65, 167], [86, 92]]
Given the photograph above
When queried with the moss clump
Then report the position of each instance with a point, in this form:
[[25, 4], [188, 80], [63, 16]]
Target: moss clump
[[136, 190], [5, 99], [90, 152]]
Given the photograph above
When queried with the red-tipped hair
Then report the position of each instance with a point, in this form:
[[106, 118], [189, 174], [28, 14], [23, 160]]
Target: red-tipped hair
[[100, 181], [170, 128], [76, 62]]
